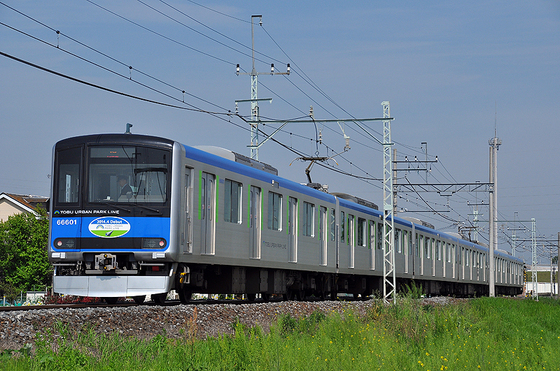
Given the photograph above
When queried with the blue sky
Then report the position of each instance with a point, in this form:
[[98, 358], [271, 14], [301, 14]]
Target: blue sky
[[452, 71]]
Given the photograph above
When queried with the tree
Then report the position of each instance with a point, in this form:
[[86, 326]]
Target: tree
[[555, 259], [24, 259]]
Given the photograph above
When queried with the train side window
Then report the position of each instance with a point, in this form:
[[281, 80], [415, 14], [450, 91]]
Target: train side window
[[409, 242], [362, 230], [351, 230], [274, 211], [333, 223], [232, 201], [371, 234], [380, 236], [438, 250], [452, 252], [428, 248], [308, 216], [398, 241], [342, 226]]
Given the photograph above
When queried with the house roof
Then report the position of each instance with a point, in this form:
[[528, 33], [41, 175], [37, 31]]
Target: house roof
[[26, 202]]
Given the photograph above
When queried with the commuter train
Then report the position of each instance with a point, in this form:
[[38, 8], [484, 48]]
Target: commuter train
[[134, 215]]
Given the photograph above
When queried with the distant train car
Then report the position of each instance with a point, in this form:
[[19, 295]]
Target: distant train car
[[135, 215]]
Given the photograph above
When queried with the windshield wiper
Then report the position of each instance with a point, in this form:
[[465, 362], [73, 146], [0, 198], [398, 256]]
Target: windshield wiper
[[114, 205], [148, 208]]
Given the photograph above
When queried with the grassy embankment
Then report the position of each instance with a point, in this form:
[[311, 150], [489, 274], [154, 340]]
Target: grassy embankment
[[484, 333]]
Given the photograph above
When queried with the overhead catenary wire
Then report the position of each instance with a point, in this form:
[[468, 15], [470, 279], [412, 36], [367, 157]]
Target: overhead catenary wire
[[303, 77], [123, 76]]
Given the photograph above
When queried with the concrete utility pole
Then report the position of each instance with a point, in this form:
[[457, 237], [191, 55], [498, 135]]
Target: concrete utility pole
[[534, 260], [493, 222], [254, 92]]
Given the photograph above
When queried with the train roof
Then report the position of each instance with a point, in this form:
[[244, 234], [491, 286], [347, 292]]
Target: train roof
[[133, 139], [344, 199], [234, 156]]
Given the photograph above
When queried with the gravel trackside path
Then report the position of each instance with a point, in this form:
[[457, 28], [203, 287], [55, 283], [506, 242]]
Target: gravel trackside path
[[201, 320]]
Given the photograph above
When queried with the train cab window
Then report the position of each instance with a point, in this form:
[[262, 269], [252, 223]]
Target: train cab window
[[232, 201], [274, 211], [362, 230], [308, 217], [68, 175], [128, 174]]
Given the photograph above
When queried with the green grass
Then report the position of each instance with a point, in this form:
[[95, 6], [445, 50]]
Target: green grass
[[484, 333]]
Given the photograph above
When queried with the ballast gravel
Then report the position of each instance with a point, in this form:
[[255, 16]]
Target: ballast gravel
[[20, 328]]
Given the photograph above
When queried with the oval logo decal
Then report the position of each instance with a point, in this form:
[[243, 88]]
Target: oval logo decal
[[109, 227]]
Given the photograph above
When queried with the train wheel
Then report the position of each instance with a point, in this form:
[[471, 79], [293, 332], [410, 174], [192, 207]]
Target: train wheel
[[159, 298], [334, 295], [111, 301], [265, 297], [251, 297], [139, 299], [185, 295]]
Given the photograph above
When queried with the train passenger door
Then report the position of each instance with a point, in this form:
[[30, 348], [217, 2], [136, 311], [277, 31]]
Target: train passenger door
[[255, 221], [187, 231], [323, 234], [207, 187], [292, 229]]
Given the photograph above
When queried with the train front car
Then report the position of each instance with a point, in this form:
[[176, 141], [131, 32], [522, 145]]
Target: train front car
[[111, 205]]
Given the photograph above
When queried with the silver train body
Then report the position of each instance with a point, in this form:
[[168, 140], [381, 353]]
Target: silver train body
[[221, 223]]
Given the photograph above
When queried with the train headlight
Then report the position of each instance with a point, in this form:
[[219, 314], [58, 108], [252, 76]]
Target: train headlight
[[154, 243], [65, 243]]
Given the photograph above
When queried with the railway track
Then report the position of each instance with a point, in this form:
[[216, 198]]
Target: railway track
[[59, 306], [167, 303]]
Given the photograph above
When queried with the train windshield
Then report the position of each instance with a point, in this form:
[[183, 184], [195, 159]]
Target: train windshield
[[124, 174], [67, 191]]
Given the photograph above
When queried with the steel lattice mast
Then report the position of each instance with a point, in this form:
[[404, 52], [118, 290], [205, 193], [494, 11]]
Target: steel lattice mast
[[389, 277]]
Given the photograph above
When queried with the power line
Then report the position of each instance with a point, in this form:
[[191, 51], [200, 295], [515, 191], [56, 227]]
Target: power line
[[306, 78], [105, 55], [192, 29], [160, 34], [108, 89]]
